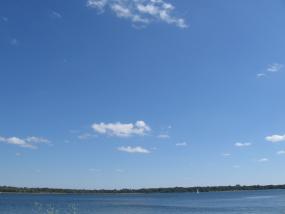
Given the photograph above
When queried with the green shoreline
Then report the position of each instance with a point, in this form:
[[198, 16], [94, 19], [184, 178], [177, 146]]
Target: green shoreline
[[23, 190]]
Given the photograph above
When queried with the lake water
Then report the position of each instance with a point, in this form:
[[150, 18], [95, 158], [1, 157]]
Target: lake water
[[251, 202]]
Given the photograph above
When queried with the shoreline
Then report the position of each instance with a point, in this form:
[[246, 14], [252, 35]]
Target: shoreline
[[195, 190]]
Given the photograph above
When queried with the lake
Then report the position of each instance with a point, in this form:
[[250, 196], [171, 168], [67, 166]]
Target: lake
[[251, 202]]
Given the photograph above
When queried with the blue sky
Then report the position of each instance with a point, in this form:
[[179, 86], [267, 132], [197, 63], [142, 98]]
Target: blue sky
[[113, 94]]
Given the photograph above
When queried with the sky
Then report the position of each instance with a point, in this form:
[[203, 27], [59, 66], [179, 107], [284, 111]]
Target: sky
[[147, 93]]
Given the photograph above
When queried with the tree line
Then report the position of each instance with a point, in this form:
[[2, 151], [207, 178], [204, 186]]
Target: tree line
[[9, 189]]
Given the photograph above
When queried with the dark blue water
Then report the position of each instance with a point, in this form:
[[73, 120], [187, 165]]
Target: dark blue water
[[257, 202]]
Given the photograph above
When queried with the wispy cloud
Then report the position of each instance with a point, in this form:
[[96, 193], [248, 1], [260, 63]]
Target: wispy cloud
[[260, 75], [226, 154], [37, 140], [55, 15], [239, 144], [282, 152], [275, 67], [18, 154], [140, 11], [5, 19], [122, 129], [94, 170], [272, 68], [86, 136], [181, 144], [14, 42], [263, 160], [163, 136], [29, 142], [119, 171], [130, 149]]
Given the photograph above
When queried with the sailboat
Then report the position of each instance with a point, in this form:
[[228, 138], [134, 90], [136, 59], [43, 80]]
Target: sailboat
[[197, 191]]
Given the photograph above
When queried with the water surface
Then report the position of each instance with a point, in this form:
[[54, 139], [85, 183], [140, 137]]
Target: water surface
[[251, 202]]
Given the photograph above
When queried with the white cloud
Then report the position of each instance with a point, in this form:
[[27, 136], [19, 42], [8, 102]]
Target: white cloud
[[37, 140], [29, 142], [140, 11], [236, 166], [97, 4], [262, 160], [55, 15], [282, 152], [122, 129], [275, 67], [181, 144], [272, 68], [275, 138], [226, 154], [130, 149], [121, 11], [239, 144], [163, 136], [260, 75], [17, 141]]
